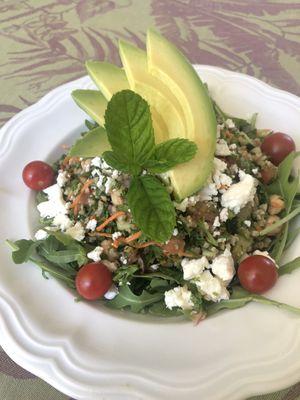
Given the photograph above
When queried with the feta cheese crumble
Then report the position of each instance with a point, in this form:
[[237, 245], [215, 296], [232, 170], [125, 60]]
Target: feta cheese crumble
[[247, 223], [91, 225], [62, 178], [211, 287], [111, 293], [180, 296], [55, 207], [239, 194], [76, 232], [222, 148], [96, 162], [116, 235], [95, 254], [41, 234], [223, 267], [224, 215], [193, 268]]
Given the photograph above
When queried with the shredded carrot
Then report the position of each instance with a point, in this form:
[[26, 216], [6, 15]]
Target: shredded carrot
[[77, 201], [110, 219], [184, 254], [100, 234], [117, 242], [133, 237], [147, 244]]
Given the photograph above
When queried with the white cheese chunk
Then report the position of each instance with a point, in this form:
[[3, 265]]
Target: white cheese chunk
[[224, 215], [62, 178], [223, 267], [180, 296], [239, 194], [41, 234], [193, 268], [112, 292], [95, 254], [76, 232], [91, 225], [222, 148], [211, 287], [96, 162]]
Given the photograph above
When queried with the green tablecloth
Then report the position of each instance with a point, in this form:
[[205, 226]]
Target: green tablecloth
[[43, 43]]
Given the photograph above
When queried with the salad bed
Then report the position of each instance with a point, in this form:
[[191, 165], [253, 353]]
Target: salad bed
[[113, 227]]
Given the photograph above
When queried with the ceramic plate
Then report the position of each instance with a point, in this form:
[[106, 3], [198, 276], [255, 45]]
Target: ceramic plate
[[89, 352]]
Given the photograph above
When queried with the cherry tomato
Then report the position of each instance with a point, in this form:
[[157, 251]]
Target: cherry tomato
[[93, 280], [277, 146], [38, 175], [257, 274]]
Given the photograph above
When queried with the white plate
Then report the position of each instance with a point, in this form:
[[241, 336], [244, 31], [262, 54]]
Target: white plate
[[91, 353]]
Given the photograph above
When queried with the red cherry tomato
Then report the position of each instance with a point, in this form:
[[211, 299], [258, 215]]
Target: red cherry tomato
[[277, 146], [38, 175], [257, 274], [93, 280]]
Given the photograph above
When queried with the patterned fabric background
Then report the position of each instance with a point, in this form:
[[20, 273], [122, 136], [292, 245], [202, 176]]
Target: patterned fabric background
[[43, 43]]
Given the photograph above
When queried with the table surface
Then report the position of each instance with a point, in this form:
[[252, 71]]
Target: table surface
[[44, 43]]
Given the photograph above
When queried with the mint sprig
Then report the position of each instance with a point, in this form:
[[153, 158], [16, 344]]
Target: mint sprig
[[170, 153], [129, 129], [151, 207], [130, 133]]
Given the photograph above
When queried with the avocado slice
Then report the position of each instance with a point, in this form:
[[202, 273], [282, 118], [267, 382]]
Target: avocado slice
[[165, 109], [107, 77], [92, 102], [94, 143], [170, 66]]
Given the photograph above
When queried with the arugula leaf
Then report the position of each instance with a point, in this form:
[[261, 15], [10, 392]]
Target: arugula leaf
[[287, 187], [159, 309], [113, 160], [92, 144], [151, 207], [54, 270], [170, 153], [289, 267], [126, 298], [23, 249], [291, 237], [129, 128], [282, 221], [168, 274], [124, 274], [241, 297]]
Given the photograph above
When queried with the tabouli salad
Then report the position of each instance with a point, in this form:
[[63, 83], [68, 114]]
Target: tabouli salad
[[127, 218]]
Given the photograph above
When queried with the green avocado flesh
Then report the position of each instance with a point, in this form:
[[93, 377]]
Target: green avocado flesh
[[107, 77], [92, 102], [163, 104], [92, 144], [169, 65]]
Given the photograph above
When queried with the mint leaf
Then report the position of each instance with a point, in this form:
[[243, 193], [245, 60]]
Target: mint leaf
[[151, 207], [129, 127], [113, 160], [92, 144], [170, 153]]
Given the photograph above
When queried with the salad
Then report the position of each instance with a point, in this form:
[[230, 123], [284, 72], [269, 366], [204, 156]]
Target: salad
[[159, 208]]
